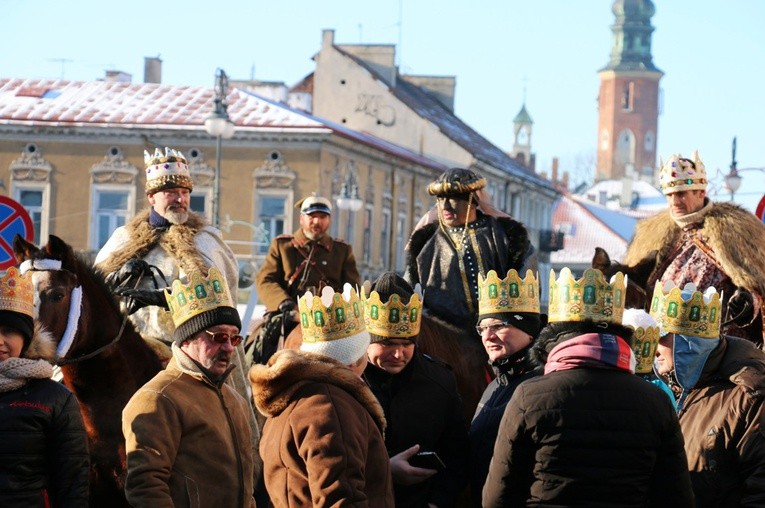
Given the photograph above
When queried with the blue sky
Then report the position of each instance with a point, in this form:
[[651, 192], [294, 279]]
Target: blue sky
[[710, 51]]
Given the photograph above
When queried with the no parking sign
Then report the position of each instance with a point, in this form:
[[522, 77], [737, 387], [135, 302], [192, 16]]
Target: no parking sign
[[14, 220], [760, 211]]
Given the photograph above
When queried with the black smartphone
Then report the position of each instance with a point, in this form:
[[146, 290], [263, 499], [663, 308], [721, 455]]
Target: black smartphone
[[428, 460]]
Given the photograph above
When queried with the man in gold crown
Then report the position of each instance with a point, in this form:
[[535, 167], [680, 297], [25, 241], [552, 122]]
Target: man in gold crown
[[322, 442], [419, 397], [707, 243], [719, 384], [508, 322], [464, 237], [588, 432], [187, 433]]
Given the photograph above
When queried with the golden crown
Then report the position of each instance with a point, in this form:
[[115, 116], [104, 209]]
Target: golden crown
[[166, 170], [393, 318], [17, 292], [687, 311], [199, 295], [590, 297], [645, 338], [511, 294], [331, 316], [681, 174]]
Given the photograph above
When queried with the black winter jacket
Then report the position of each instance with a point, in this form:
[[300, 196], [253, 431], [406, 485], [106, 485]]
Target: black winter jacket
[[44, 452]]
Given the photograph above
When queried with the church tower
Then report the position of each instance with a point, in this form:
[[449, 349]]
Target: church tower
[[522, 124], [628, 102]]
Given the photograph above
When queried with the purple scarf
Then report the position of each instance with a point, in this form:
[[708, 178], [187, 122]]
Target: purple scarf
[[594, 350]]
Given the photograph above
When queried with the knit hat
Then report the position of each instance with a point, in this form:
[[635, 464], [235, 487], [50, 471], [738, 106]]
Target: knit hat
[[17, 303], [203, 303], [644, 340], [166, 171], [512, 300], [313, 204], [333, 324], [456, 182], [681, 174], [392, 309]]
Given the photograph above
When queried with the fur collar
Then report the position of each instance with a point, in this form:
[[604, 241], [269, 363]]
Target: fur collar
[[275, 384], [177, 241]]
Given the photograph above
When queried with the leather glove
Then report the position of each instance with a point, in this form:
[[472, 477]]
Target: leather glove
[[741, 307], [287, 305], [133, 269], [140, 298]]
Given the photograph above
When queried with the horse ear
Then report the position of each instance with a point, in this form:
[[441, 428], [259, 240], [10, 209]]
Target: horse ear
[[601, 260], [58, 248], [23, 249]]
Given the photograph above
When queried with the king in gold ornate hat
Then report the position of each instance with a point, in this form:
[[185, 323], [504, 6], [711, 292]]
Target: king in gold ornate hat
[[333, 324], [589, 298], [201, 303], [688, 311], [644, 339], [166, 171], [17, 303], [511, 299], [681, 174], [392, 309]]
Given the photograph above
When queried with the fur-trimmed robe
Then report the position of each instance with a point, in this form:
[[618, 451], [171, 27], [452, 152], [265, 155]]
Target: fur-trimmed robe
[[736, 237], [322, 443]]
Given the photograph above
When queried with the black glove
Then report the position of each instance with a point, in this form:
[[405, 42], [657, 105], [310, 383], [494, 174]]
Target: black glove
[[140, 298], [741, 307], [287, 306], [133, 270]]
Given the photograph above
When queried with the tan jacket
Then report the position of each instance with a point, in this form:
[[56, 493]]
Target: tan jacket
[[322, 443], [331, 264], [187, 442]]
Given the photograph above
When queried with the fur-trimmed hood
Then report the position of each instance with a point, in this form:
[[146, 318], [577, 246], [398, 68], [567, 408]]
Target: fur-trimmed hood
[[275, 384]]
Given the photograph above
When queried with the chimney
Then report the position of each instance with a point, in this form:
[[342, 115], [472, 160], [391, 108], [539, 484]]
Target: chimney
[[555, 170], [327, 38], [152, 69], [564, 181]]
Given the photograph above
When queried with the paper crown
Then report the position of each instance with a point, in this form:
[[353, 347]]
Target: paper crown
[[645, 338], [456, 181], [687, 311], [511, 294], [394, 318], [199, 295], [17, 292], [680, 174], [165, 171], [331, 316], [590, 297]]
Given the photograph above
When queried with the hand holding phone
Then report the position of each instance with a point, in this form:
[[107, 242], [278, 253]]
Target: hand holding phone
[[427, 460]]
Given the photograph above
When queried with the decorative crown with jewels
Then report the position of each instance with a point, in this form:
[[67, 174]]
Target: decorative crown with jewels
[[331, 316], [511, 294], [199, 295], [394, 318], [645, 338], [166, 170], [590, 297], [17, 292], [681, 174], [687, 311]]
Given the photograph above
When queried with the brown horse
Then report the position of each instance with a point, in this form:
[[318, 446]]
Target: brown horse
[[450, 344], [638, 295], [106, 363]]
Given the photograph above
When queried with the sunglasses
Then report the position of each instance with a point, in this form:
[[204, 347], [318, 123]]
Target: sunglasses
[[223, 337], [492, 328]]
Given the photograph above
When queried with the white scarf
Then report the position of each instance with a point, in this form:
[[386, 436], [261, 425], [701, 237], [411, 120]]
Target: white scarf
[[15, 372]]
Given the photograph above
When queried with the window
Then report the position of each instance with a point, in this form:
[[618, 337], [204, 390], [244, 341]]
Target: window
[[400, 243], [34, 200], [111, 209], [201, 201], [366, 255], [385, 239], [628, 96], [272, 213]]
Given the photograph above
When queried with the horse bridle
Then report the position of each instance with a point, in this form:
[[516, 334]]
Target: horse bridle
[[75, 308]]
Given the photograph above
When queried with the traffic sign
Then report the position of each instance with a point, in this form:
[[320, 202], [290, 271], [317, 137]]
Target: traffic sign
[[760, 211], [14, 220]]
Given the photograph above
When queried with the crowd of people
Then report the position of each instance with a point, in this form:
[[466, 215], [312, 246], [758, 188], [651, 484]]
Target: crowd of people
[[586, 404]]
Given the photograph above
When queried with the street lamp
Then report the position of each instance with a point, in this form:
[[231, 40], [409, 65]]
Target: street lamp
[[733, 179], [349, 199], [219, 124]]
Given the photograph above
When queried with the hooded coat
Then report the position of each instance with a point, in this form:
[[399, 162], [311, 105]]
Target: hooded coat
[[322, 443]]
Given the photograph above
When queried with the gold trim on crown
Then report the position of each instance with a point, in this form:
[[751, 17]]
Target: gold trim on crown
[[394, 318], [697, 315], [166, 170], [511, 294], [331, 316], [681, 174], [17, 292], [590, 297], [199, 295]]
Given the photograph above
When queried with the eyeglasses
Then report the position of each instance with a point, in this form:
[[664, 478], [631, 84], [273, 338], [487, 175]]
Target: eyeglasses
[[492, 328], [223, 337]]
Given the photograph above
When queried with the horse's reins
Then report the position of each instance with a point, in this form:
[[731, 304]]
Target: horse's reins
[[75, 308]]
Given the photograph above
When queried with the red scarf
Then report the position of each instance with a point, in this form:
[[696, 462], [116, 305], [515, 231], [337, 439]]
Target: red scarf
[[594, 350]]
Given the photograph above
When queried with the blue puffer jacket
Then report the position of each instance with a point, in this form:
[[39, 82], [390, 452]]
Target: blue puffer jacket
[[44, 453]]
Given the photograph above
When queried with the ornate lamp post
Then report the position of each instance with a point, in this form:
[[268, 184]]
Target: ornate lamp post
[[219, 124]]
